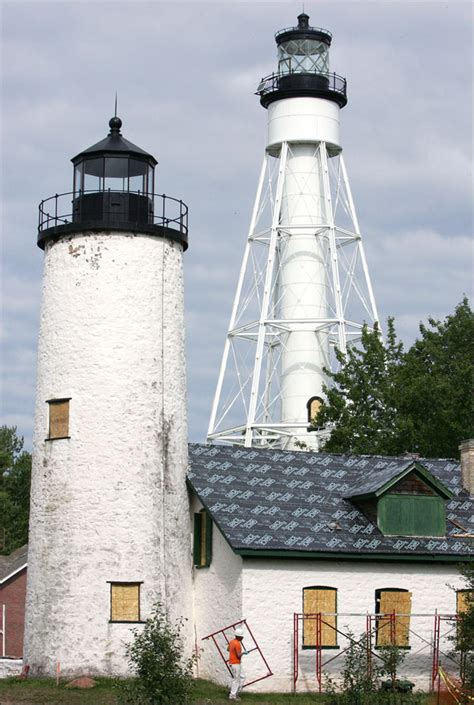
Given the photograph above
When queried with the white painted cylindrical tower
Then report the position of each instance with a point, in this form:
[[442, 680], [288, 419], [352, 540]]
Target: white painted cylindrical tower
[[109, 534], [308, 297]]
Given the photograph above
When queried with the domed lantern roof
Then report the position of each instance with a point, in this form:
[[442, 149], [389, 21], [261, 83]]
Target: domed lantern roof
[[113, 144], [114, 164]]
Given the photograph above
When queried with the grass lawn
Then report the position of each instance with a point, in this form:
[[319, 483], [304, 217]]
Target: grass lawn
[[44, 692]]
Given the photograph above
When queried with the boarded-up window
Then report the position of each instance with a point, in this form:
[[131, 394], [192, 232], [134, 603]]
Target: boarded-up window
[[464, 598], [58, 418], [319, 600], [202, 552], [314, 406], [124, 602], [393, 624]]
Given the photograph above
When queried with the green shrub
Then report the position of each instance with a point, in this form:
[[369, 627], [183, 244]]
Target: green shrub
[[163, 675]]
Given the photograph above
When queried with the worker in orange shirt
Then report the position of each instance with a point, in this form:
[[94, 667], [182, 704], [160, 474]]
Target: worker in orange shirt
[[236, 650]]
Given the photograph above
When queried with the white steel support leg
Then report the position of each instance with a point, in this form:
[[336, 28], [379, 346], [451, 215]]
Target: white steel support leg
[[266, 296], [333, 249], [303, 291], [243, 269], [361, 246]]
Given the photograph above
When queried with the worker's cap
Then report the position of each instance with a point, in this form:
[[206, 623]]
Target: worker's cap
[[239, 633]]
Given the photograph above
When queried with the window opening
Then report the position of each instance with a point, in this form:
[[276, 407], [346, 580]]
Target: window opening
[[393, 610], [58, 419], [125, 602], [321, 600], [314, 405], [202, 539]]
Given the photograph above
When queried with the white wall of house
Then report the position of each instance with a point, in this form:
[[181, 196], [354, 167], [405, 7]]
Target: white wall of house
[[272, 592], [217, 601]]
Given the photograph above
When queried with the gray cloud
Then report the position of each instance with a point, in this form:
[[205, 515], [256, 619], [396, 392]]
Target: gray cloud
[[186, 73]]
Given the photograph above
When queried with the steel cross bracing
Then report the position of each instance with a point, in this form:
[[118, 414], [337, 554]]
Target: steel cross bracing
[[374, 624], [247, 407]]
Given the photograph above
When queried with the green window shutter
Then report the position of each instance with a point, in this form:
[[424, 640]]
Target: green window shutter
[[208, 521], [411, 515], [197, 540]]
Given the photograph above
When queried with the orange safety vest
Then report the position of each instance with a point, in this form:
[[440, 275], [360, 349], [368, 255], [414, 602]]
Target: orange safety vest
[[235, 651]]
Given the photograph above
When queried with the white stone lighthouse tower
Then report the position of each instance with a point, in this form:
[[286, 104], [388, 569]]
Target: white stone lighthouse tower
[[109, 533], [304, 286]]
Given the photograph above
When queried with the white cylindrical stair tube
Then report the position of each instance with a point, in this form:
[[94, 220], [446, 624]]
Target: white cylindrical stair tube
[[303, 286]]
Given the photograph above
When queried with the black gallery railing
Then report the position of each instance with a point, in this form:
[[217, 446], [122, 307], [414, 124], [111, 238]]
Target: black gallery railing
[[113, 208], [323, 82]]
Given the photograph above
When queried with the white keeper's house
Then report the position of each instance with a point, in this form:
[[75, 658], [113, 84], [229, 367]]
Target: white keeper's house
[[304, 548]]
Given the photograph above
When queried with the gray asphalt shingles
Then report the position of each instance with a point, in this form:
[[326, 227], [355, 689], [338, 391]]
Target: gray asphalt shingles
[[295, 501]]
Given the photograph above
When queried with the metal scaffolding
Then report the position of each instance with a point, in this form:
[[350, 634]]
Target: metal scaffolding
[[256, 647], [374, 623]]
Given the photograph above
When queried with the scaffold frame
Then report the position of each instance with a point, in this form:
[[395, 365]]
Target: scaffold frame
[[256, 647], [374, 622]]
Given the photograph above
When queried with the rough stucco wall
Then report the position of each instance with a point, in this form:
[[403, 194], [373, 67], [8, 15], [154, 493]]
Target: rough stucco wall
[[272, 592], [12, 595], [217, 601], [110, 504]]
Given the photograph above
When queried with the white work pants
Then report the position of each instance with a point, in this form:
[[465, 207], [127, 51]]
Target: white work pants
[[237, 679]]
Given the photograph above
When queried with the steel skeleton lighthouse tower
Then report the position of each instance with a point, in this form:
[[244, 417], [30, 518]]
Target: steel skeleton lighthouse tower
[[304, 286], [109, 533]]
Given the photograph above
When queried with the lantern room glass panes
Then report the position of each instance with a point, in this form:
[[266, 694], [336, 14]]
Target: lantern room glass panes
[[303, 56], [78, 174], [93, 177], [116, 174], [151, 180], [138, 174]]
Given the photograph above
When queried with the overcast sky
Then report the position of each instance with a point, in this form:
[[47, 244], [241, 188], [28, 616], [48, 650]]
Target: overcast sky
[[186, 73]]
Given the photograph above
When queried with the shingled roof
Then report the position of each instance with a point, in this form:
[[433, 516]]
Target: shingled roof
[[9, 565], [267, 502]]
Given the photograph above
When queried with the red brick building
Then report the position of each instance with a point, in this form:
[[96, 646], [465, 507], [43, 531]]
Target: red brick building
[[12, 602]]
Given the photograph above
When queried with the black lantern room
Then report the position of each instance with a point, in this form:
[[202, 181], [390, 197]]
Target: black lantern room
[[303, 66], [113, 190]]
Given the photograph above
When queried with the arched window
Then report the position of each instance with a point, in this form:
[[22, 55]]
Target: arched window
[[320, 599], [393, 605]]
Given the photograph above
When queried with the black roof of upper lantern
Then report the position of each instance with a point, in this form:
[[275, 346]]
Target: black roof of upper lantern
[[114, 144], [303, 31]]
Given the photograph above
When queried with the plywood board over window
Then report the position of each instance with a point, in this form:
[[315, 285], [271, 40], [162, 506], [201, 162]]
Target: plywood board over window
[[125, 602], [58, 418], [464, 599], [394, 630], [320, 600]]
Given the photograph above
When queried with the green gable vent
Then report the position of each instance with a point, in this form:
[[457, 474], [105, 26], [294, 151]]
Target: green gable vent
[[411, 515], [405, 500]]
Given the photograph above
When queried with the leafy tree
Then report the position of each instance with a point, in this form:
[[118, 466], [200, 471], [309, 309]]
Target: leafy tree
[[164, 674], [362, 402], [15, 478], [388, 401], [359, 685], [463, 641], [437, 384]]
